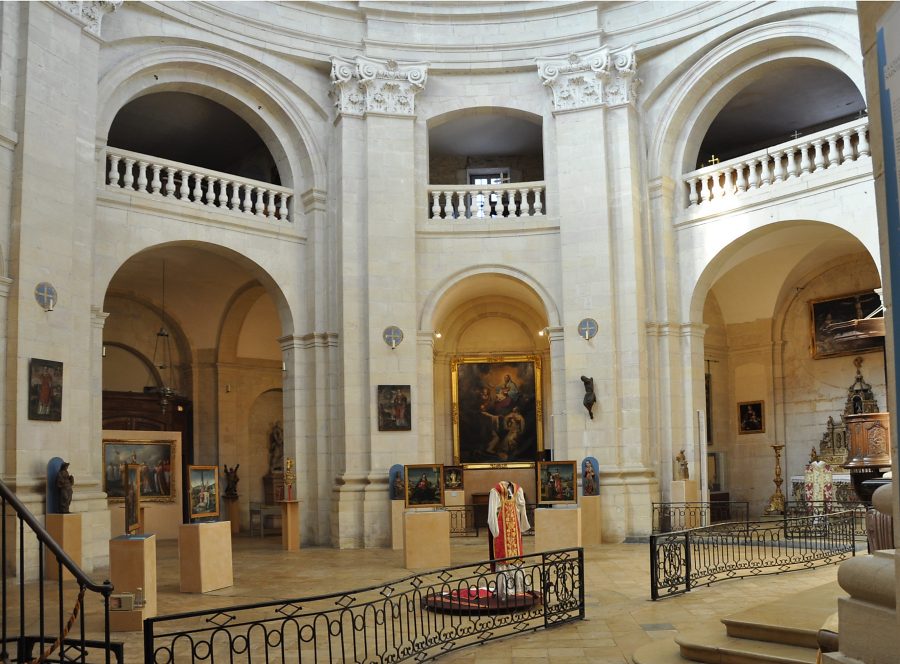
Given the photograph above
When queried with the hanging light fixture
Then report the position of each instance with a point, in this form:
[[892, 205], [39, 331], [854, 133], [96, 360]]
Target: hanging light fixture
[[162, 356]]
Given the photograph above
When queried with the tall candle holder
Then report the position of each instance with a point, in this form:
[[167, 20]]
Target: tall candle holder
[[776, 502], [289, 477]]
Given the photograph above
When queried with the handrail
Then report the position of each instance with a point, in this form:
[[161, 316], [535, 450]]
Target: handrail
[[41, 533]]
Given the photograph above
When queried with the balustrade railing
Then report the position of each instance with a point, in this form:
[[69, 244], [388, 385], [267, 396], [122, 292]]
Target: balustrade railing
[[489, 201], [680, 561], [49, 617], [415, 618], [667, 517], [799, 158], [212, 189]]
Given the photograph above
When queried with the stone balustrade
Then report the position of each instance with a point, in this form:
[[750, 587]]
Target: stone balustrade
[[515, 199], [799, 158], [199, 186]]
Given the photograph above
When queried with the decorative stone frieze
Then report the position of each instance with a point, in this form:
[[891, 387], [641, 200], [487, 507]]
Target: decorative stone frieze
[[91, 12], [589, 80], [385, 87]]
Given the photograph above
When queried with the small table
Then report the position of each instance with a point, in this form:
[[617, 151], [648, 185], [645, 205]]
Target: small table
[[261, 512]]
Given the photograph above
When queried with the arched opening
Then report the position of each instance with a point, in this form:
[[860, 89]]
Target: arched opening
[[192, 129], [760, 297]]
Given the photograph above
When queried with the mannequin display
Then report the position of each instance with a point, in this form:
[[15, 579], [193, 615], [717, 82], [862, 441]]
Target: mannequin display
[[507, 520]]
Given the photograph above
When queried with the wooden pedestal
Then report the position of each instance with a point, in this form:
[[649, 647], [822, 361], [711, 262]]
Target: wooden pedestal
[[66, 530], [426, 539], [204, 556], [398, 507], [591, 520], [132, 565], [557, 528], [290, 525], [233, 511]]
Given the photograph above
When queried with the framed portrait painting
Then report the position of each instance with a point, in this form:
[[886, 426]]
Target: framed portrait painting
[[155, 459], [751, 417], [45, 390], [394, 408], [453, 478], [557, 482], [132, 498], [497, 411], [203, 484], [424, 485], [840, 326]]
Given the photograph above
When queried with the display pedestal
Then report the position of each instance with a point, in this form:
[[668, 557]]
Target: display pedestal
[[233, 511], [204, 556], [132, 565], [557, 528], [688, 491], [454, 498], [290, 525], [66, 530], [426, 539], [397, 509], [591, 520]]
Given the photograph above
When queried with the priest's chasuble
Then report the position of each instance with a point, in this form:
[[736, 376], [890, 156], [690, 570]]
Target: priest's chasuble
[[506, 519]]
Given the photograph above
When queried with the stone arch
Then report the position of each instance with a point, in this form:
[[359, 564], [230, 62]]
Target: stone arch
[[253, 93], [719, 74], [446, 116]]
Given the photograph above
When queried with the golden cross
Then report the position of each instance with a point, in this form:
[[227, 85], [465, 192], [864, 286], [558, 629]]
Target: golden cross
[[713, 160]]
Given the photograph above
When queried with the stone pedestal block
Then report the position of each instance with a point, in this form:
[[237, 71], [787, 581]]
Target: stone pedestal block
[[557, 528], [398, 507], [204, 556], [685, 491], [426, 539], [233, 512], [290, 525], [132, 565], [591, 521], [66, 530]]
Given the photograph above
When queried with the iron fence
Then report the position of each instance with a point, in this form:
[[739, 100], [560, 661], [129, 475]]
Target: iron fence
[[668, 517], [680, 561], [418, 617], [46, 617], [814, 508], [470, 520]]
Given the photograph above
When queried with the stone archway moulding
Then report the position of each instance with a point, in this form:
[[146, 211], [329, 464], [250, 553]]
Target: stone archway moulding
[[695, 93], [446, 115], [426, 317], [269, 111]]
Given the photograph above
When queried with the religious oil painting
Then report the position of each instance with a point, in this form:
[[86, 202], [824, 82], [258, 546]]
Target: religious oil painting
[[840, 326], [394, 408], [203, 484], [155, 459], [396, 482], [557, 482], [751, 417], [424, 485], [590, 477], [453, 478], [497, 417], [132, 498], [45, 390]]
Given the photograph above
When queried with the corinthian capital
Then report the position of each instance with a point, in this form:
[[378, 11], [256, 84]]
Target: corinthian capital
[[622, 86], [349, 95], [391, 86], [578, 80], [91, 12]]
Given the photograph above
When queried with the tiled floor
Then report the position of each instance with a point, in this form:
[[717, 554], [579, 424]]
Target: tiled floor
[[620, 615]]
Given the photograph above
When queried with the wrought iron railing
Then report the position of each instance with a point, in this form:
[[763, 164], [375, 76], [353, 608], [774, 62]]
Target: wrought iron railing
[[813, 508], [667, 517], [471, 520], [415, 618], [46, 616], [680, 561]]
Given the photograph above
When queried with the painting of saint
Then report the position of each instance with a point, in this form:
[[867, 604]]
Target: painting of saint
[[45, 390], [394, 408]]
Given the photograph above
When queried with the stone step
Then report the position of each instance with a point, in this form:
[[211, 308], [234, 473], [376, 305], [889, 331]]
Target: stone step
[[701, 646], [663, 651]]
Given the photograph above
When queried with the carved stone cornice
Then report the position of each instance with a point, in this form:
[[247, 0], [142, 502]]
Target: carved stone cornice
[[383, 87], [90, 12], [589, 80]]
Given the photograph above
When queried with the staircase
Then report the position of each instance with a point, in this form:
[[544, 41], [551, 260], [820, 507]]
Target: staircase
[[781, 632]]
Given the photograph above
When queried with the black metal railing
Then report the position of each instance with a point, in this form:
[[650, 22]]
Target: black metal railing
[[680, 561], [46, 616], [418, 617], [815, 508], [471, 520], [668, 517]]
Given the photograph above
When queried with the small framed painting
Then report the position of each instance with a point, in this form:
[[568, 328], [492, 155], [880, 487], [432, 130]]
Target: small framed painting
[[394, 408], [45, 390], [424, 485], [132, 499], [751, 417], [453, 478], [841, 325], [203, 485], [557, 482]]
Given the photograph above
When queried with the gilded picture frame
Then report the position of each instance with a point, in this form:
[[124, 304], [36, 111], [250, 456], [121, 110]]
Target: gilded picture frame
[[557, 482], [424, 485], [497, 410], [132, 498], [157, 461], [203, 488], [833, 332]]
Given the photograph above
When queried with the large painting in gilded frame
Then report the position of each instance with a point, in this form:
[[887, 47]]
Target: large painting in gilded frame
[[832, 332], [497, 411], [155, 457]]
